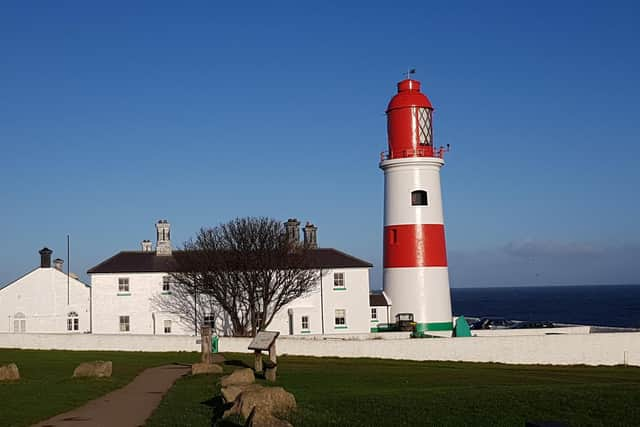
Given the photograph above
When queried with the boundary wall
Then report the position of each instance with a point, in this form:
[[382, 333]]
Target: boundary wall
[[587, 349]]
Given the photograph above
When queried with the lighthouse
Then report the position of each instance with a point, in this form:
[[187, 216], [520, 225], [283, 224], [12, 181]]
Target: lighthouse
[[416, 276]]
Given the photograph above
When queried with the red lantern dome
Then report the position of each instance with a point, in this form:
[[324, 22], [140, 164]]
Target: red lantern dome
[[410, 122]]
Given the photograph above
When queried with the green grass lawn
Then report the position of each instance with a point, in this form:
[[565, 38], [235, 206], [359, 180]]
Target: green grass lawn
[[46, 387], [332, 391], [372, 392]]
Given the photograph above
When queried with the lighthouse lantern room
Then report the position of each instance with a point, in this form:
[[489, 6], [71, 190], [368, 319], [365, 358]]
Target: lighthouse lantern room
[[416, 276]]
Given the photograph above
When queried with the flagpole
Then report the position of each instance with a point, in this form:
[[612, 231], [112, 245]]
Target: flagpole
[[68, 268]]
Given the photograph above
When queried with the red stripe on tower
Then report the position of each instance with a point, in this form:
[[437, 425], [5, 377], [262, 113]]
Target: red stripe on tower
[[414, 245]]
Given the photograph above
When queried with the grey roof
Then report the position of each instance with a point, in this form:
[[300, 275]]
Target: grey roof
[[149, 262]]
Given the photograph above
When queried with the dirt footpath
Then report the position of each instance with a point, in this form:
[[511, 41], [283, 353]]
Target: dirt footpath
[[129, 406]]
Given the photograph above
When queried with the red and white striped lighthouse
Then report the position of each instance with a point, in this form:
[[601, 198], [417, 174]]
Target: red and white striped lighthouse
[[416, 276]]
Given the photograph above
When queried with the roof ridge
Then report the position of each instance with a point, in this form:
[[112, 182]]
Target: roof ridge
[[6, 285], [349, 256], [104, 262]]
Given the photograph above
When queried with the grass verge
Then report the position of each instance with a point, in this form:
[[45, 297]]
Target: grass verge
[[47, 389], [373, 392]]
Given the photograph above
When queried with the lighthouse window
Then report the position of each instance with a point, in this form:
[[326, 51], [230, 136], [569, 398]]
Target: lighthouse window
[[419, 198], [392, 235]]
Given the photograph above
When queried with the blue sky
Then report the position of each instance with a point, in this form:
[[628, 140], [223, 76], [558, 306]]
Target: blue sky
[[113, 116]]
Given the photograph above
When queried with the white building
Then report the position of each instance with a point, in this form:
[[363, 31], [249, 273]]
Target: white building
[[126, 289], [45, 300], [380, 311]]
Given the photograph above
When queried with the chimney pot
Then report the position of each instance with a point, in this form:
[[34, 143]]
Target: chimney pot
[[45, 257], [147, 246], [57, 264]]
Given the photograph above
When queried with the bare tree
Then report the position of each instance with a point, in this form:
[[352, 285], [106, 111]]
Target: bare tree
[[249, 268], [193, 309]]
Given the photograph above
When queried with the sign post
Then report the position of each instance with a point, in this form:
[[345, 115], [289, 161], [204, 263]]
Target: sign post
[[265, 341], [205, 344]]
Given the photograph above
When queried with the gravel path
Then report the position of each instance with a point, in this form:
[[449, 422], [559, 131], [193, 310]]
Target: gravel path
[[129, 406]]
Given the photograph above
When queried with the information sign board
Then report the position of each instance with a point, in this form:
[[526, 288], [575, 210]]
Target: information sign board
[[263, 340]]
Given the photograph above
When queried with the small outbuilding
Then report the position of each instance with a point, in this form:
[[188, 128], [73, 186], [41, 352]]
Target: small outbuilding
[[380, 310], [45, 300]]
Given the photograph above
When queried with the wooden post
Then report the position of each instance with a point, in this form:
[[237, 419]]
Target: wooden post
[[205, 348], [258, 364], [270, 373], [265, 341]]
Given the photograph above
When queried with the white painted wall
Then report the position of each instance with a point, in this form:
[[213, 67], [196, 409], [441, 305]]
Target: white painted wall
[[354, 299], [588, 349], [382, 316], [109, 304], [144, 317], [41, 296]]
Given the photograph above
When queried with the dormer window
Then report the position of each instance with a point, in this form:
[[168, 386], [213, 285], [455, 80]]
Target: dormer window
[[419, 198]]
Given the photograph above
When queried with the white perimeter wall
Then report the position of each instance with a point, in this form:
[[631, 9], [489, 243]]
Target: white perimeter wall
[[588, 349]]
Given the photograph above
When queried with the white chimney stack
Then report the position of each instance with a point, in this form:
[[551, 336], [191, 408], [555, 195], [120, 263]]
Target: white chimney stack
[[147, 246], [163, 245]]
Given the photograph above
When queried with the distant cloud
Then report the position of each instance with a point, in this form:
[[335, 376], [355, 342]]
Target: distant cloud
[[539, 263], [545, 248]]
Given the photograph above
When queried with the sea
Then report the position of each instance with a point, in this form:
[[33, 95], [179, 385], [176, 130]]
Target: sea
[[604, 305]]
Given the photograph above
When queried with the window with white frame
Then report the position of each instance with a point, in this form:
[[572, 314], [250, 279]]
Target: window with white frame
[[167, 326], [338, 280], [124, 324], [123, 284], [73, 322], [19, 323], [305, 322], [166, 283], [341, 317], [374, 314]]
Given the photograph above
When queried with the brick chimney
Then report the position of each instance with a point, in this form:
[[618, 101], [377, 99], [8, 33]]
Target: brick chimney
[[45, 257]]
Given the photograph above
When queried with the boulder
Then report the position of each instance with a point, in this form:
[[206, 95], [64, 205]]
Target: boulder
[[217, 358], [230, 392], [97, 368], [265, 400], [205, 368], [260, 419], [9, 372], [239, 376]]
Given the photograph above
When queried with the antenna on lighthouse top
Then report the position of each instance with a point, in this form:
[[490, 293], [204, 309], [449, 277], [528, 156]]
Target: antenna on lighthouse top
[[409, 72]]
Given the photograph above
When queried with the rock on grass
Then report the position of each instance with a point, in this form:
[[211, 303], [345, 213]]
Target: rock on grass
[[9, 372], [98, 368], [205, 368]]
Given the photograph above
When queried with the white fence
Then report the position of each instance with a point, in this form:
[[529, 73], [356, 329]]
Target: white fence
[[588, 349]]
